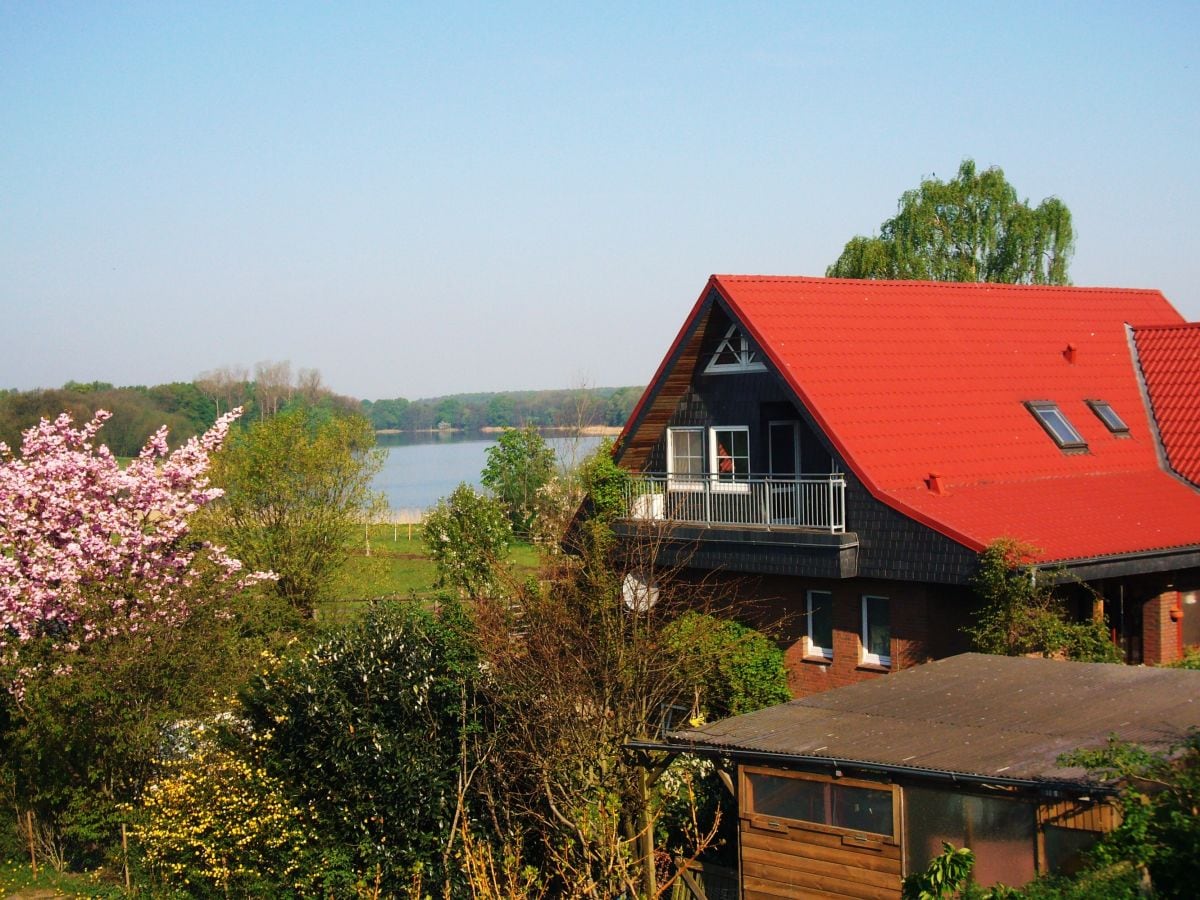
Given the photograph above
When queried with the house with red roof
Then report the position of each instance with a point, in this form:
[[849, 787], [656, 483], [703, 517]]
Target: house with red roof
[[838, 452]]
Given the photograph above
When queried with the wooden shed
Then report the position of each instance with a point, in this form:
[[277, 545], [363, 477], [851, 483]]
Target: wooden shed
[[843, 793]]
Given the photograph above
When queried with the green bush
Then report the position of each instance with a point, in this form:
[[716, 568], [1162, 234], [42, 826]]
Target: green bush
[[365, 727], [736, 669], [1022, 615], [216, 823], [83, 740], [605, 482]]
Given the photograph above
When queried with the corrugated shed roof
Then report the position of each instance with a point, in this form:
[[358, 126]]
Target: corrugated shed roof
[[1170, 361], [910, 379], [973, 715]]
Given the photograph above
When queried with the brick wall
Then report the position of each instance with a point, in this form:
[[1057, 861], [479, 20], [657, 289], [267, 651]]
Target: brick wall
[[925, 624], [1160, 635]]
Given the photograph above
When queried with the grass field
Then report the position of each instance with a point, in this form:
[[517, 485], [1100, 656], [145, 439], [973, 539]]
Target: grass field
[[17, 881], [398, 566]]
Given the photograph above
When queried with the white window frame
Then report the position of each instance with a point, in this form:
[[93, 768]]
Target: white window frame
[[685, 481], [736, 342], [814, 649], [733, 483], [875, 659]]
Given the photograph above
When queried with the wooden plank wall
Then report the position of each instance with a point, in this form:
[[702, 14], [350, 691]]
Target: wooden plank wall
[[1094, 816], [798, 862], [654, 421]]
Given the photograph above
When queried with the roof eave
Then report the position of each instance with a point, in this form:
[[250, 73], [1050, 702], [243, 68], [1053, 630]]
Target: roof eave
[[745, 755]]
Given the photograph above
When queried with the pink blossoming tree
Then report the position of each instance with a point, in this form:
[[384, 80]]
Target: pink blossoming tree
[[89, 550]]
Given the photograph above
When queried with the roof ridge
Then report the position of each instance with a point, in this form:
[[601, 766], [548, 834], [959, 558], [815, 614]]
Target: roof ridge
[[948, 285], [1179, 326]]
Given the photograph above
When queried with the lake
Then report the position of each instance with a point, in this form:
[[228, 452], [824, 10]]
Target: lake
[[422, 467]]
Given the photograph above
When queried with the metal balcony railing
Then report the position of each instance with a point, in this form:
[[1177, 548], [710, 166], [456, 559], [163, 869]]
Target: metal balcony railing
[[802, 501]]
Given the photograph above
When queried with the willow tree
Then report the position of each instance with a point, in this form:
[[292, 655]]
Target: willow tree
[[971, 228]]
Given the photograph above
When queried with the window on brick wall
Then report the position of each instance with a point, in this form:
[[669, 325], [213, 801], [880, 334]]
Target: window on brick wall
[[876, 631], [820, 624]]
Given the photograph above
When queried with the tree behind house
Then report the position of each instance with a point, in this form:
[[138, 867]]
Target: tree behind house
[[971, 228], [296, 485]]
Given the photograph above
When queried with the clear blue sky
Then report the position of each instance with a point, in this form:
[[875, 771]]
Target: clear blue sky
[[421, 199]]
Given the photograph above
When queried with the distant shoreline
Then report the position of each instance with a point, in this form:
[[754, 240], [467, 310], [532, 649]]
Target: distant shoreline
[[586, 430]]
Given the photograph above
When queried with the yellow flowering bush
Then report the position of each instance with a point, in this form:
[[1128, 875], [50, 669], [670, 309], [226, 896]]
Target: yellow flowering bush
[[217, 822]]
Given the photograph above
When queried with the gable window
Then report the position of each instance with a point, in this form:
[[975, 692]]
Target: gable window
[[1106, 414], [820, 624], [734, 354], [685, 453], [1057, 425], [729, 450], [876, 631]]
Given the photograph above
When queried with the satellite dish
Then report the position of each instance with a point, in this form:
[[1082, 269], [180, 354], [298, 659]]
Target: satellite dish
[[639, 592]]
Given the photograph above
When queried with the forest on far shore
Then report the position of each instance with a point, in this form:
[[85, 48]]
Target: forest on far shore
[[188, 408]]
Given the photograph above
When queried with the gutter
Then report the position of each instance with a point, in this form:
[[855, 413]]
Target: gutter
[[1044, 787]]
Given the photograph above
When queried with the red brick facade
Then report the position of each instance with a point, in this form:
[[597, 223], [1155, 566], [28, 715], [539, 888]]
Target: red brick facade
[[926, 623], [1161, 628]]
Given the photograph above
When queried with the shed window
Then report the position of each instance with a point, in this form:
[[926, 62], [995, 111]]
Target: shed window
[[858, 807], [1057, 425], [1001, 831], [1106, 414]]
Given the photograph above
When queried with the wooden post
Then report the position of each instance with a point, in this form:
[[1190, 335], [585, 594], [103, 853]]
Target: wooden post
[[32, 847], [125, 857], [410, 532]]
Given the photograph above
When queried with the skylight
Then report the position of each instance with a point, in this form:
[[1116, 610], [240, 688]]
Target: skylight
[[1057, 425], [1106, 414]]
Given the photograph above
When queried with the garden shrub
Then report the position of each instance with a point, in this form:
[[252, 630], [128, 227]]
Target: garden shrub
[[605, 483], [216, 823], [365, 727], [736, 669], [1021, 614]]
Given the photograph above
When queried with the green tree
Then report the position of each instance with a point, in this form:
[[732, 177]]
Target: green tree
[[971, 228], [296, 485], [1021, 613], [501, 411], [589, 673], [1160, 806], [467, 535], [517, 468]]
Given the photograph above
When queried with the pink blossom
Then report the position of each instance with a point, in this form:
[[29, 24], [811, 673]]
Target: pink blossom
[[88, 550]]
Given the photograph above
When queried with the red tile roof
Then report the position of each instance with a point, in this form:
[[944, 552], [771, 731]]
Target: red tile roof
[[910, 379], [1170, 361]]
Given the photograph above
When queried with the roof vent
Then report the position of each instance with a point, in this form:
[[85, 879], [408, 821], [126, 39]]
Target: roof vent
[[935, 483], [1069, 354]]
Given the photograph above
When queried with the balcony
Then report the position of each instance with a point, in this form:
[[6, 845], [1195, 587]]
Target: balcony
[[814, 502]]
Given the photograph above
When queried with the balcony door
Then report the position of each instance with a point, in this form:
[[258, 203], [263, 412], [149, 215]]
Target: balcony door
[[783, 443]]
